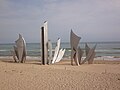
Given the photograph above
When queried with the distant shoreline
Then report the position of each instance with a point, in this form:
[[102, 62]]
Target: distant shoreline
[[109, 58], [104, 50]]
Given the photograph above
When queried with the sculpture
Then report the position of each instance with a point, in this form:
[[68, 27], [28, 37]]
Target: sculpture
[[50, 52], [56, 51], [90, 54], [74, 41], [87, 49], [80, 54], [47, 45], [19, 50], [58, 54], [44, 43], [76, 52]]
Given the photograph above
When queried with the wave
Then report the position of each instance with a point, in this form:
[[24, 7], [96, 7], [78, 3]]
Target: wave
[[65, 58], [33, 49], [107, 58], [4, 50]]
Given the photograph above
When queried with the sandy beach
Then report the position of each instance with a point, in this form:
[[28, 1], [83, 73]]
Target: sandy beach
[[102, 75]]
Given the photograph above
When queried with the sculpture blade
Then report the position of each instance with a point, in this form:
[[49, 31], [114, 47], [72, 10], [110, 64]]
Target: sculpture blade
[[90, 61], [60, 55], [16, 52], [24, 50], [80, 53], [74, 41], [56, 51], [87, 49], [19, 44], [50, 52], [44, 42], [14, 55], [90, 56]]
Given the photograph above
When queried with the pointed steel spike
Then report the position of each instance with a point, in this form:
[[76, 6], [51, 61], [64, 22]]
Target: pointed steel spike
[[80, 54], [74, 41], [50, 52], [87, 49]]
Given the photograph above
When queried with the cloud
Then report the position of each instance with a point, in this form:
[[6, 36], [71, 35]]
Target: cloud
[[92, 17], [92, 20]]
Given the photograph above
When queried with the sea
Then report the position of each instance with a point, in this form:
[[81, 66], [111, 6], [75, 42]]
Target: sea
[[108, 50]]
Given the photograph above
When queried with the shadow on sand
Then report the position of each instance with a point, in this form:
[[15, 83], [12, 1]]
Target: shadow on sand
[[38, 62]]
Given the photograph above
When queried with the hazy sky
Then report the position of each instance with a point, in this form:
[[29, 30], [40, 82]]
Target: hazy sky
[[93, 20]]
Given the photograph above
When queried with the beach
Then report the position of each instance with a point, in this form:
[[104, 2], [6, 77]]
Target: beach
[[102, 75], [35, 33]]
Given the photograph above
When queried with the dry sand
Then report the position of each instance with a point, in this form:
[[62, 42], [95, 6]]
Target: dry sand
[[102, 75]]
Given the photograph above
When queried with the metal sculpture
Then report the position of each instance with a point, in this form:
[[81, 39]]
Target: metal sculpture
[[46, 47], [59, 53], [44, 43], [80, 54], [49, 52], [74, 41], [87, 49], [56, 51], [19, 50], [90, 55]]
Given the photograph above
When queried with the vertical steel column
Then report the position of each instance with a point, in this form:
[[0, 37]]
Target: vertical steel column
[[44, 43]]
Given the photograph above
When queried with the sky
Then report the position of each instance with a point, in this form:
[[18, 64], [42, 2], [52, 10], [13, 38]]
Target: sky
[[92, 20]]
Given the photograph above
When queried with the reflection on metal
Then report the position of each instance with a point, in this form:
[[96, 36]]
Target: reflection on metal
[[74, 41], [44, 43], [76, 52], [46, 47], [60, 55], [19, 50], [80, 54], [86, 49], [90, 56], [49, 52], [56, 51], [90, 61]]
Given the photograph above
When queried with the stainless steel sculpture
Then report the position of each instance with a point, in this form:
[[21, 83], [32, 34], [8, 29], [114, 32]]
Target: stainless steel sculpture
[[87, 49], [20, 50], [56, 51], [44, 43], [90, 55], [60, 55], [74, 41], [80, 54], [46, 47], [49, 52]]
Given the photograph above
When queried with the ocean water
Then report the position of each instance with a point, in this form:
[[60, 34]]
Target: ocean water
[[34, 50]]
